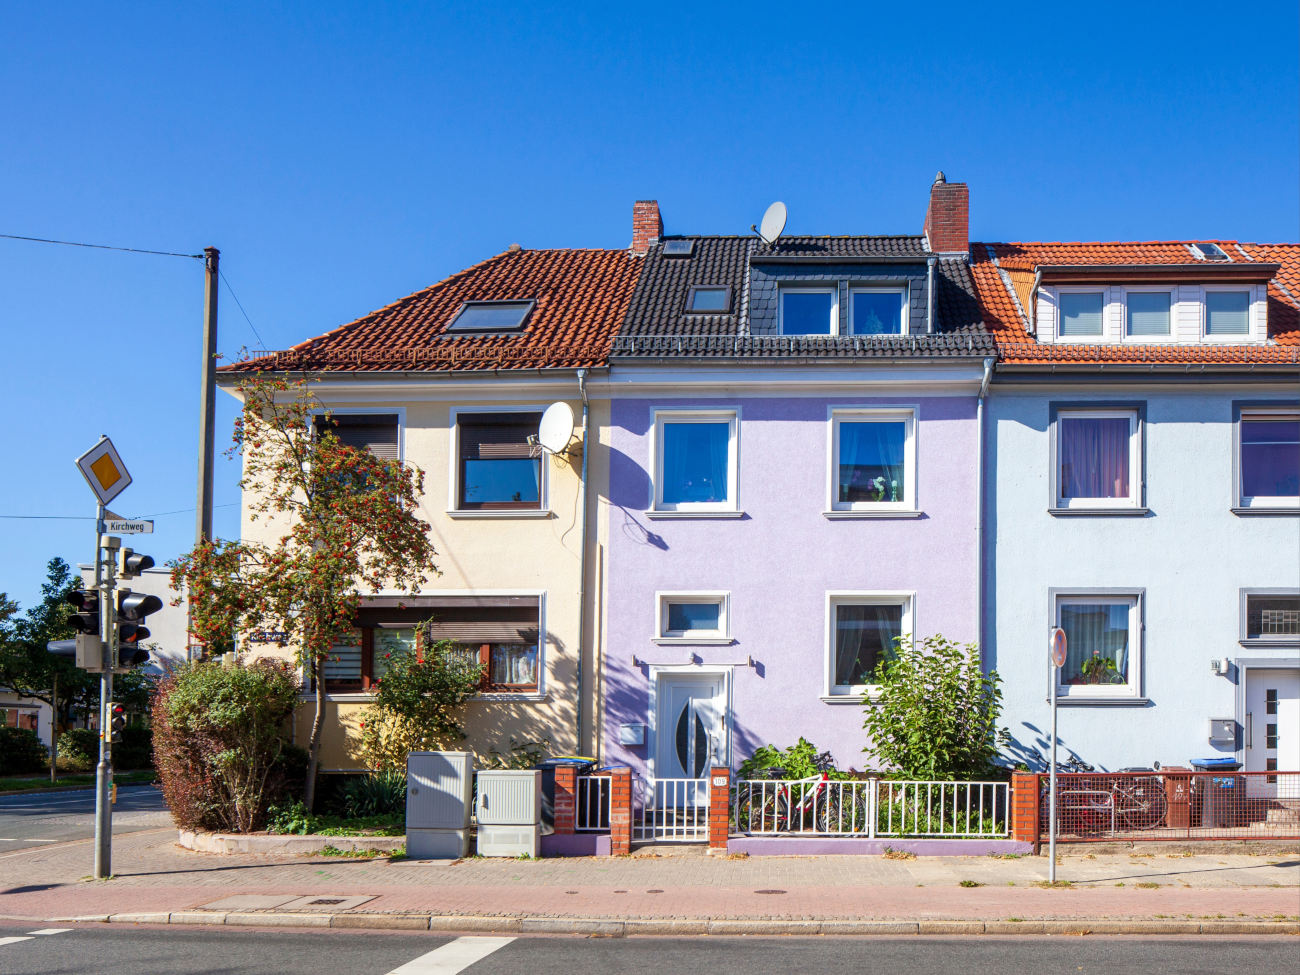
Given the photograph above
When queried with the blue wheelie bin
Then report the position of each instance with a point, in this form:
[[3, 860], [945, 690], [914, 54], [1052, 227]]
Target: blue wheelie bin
[[1218, 796]]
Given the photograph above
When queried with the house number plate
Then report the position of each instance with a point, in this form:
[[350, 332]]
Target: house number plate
[[719, 780]]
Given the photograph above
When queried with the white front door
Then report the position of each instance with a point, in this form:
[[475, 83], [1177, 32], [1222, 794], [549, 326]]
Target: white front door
[[690, 726], [1272, 725]]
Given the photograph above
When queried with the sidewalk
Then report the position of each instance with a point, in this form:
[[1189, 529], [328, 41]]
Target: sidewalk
[[686, 891]]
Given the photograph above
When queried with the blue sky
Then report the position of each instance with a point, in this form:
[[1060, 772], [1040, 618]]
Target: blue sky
[[342, 156]]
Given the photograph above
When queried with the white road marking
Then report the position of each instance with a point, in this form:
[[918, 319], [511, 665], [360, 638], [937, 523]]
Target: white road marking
[[6, 839], [50, 931], [453, 957], [24, 937]]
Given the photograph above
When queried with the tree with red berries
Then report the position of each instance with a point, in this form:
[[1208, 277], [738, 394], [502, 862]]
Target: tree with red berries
[[347, 521]]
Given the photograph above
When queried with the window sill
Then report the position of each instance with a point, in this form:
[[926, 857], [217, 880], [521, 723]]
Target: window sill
[[657, 515], [365, 697], [1100, 512], [1285, 643], [1067, 701], [502, 513], [1279, 510], [855, 698], [531, 696], [851, 514], [701, 641]]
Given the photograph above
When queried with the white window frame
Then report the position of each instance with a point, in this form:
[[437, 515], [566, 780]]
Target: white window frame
[[729, 506], [904, 294], [833, 693], [1241, 338], [807, 289], [839, 415], [1084, 289], [1245, 414], [720, 598], [1130, 691], [1169, 336], [543, 510], [1135, 473]]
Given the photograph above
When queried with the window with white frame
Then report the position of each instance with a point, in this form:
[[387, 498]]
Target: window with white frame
[[695, 462], [1098, 458], [863, 630], [809, 310], [878, 310], [1147, 313], [873, 460], [1268, 462], [1081, 314], [1103, 639], [693, 617], [1227, 313]]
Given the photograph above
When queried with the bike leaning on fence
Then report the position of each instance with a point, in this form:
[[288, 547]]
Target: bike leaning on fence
[[1089, 801]]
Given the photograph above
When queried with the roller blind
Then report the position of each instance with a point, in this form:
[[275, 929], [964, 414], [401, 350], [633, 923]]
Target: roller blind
[[1081, 313], [1148, 312], [375, 432], [496, 436], [472, 619], [1227, 313]]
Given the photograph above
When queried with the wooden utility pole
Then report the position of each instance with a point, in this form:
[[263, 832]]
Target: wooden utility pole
[[207, 399]]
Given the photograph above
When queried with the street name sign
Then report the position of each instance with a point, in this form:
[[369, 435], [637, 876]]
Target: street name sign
[[125, 526]]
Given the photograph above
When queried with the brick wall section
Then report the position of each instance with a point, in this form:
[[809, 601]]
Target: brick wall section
[[947, 218], [566, 799], [719, 808], [647, 225], [620, 812], [1024, 808]]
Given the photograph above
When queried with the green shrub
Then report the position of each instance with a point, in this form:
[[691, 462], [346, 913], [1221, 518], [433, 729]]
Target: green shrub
[[21, 751], [376, 794], [78, 750], [220, 743], [801, 760], [936, 714]]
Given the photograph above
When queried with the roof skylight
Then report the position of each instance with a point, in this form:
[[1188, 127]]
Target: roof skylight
[[491, 316], [709, 298], [679, 248], [1209, 252]]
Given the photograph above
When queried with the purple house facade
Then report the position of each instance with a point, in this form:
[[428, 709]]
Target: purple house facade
[[794, 482]]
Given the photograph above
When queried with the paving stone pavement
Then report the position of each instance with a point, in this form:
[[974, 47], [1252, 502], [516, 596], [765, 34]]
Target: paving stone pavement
[[153, 874]]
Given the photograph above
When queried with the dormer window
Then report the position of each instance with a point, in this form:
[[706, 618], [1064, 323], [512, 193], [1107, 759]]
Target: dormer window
[[878, 311], [491, 316], [1146, 314], [809, 311], [1227, 313], [1081, 314]]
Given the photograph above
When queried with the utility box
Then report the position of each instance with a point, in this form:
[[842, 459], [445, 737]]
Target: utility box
[[509, 810], [439, 794]]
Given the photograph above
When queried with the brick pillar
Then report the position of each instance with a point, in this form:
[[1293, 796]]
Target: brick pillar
[[1024, 808], [719, 809], [620, 812], [566, 799]]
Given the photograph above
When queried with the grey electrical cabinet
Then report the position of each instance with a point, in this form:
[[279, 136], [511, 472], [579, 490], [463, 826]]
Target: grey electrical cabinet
[[509, 810], [439, 791]]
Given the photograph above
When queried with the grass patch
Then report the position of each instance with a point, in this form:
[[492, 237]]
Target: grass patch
[[892, 854], [969, 883], [1006, 856], [334, 851], [1147, 885], [294, 820], [43, 783], [1054, 883]]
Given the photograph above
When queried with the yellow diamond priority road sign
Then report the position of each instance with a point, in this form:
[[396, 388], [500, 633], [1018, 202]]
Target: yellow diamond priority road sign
[[104, 471]]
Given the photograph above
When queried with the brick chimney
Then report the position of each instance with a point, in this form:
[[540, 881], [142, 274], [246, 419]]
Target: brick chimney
[[947, 218], [647, 226]]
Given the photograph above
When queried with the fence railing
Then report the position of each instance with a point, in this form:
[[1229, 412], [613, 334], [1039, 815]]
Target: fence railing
[[667, 810], [1173, 804], [592, 812], [871, 808]]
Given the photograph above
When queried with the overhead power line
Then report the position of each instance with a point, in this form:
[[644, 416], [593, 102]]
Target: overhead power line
[[103, 247], [158, 514], [241, 309]]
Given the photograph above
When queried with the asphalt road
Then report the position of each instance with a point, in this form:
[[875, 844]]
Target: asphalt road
[[252, 951], [38, 819]]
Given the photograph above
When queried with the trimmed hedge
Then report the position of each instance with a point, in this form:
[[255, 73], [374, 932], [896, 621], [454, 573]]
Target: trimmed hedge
[[78, 750], [21, 751]]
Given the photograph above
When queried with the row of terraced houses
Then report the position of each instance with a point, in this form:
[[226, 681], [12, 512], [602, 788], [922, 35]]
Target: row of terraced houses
[[795, 452]]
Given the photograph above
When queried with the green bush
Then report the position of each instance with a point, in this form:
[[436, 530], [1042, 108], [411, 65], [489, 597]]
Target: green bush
[[801, 760], [376, 794], [21, 751], [78, 750], [220, 743], [936, 715]]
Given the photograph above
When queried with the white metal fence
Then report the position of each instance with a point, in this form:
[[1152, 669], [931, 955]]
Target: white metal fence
[[592, 812], [667, 810], [872, 808]]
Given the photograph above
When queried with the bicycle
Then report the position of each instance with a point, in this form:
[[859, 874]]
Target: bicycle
[[1094, 802], [791, 804]]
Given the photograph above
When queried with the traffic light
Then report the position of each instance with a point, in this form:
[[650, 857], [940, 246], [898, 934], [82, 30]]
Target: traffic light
[[119, 719], [132, 608], [86, 618], [130, 564]]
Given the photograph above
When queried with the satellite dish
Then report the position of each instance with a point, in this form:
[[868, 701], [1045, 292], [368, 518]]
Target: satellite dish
[[773, 222], [556, 429]]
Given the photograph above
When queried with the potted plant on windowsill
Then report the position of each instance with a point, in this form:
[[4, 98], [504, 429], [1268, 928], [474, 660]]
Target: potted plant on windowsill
[[1100, 670]]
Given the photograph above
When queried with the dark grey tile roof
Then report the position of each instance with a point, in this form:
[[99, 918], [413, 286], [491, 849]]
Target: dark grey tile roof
[[657, 324]]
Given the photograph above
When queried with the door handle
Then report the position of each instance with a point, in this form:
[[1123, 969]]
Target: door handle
[[1250, 730]]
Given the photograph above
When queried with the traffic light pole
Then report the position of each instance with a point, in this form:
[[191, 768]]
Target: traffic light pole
[[105, 581]]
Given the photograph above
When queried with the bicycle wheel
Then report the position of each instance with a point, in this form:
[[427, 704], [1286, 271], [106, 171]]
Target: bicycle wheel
[[773, 814], [1143, 805], [828, 814]]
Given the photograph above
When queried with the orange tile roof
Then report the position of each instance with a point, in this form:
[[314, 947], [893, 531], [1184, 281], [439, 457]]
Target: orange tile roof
[[581, 296], [1004, 280]]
